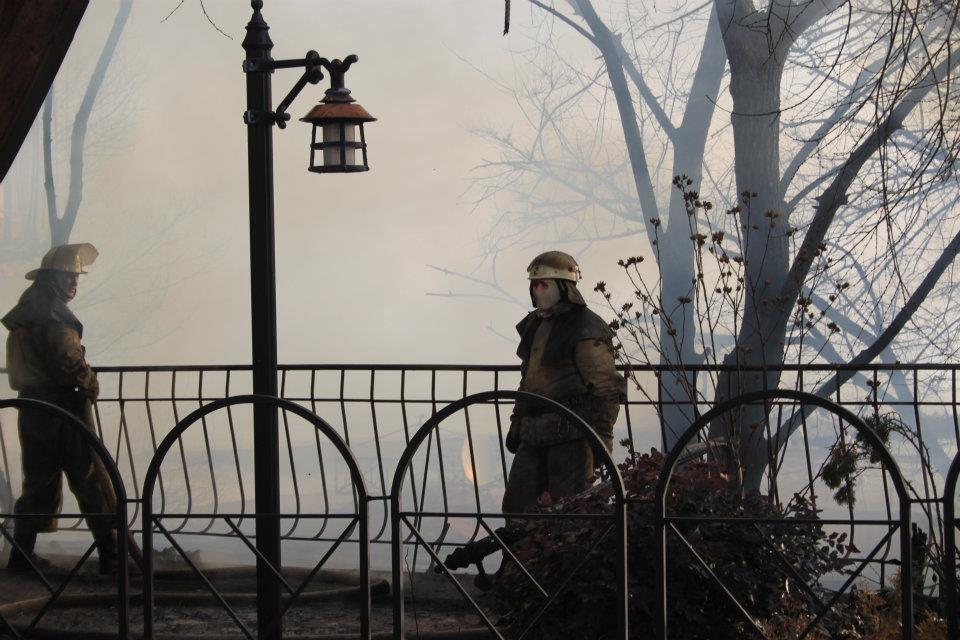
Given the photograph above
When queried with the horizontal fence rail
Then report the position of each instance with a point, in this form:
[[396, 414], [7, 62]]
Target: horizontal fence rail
[[377, 407]]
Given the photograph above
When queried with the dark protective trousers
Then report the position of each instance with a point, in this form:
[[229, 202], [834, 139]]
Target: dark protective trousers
[[562, 469], [50, 449]]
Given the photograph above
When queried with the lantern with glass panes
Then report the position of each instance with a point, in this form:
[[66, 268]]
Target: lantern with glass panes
[[338, 144]]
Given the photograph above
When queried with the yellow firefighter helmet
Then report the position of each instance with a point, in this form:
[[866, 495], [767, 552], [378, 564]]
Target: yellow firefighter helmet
[[554, 265], [69, 258]]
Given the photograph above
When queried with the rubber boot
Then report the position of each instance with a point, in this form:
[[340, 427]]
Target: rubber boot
[[22, 555], [107, 550]]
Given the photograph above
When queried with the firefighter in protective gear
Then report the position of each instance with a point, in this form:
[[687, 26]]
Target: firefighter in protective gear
[[567, 355], [45, 361]]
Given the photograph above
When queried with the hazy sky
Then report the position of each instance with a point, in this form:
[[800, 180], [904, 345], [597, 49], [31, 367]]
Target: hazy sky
[[165, 195]]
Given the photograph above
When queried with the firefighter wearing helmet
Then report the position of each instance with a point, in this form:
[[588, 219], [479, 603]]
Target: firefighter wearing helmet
[[567, 355], [45, 361]]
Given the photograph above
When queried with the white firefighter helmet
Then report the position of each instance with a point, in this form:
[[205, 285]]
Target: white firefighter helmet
[[68, 258], [554, 265]]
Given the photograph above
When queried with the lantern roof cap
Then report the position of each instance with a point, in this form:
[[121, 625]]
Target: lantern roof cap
[[337, 112]]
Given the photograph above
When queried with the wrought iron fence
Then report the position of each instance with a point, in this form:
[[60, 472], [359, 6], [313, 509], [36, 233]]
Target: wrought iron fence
[[895, 524], [612, 524], [205, 480], [56, 586], [357, 520]]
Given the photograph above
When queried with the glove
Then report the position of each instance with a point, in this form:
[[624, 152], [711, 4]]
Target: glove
[[512, 441], [91, 391], [607, 439], [546, 430]]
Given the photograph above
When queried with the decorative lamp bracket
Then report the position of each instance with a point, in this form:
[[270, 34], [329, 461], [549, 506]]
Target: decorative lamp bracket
[[313, 66]]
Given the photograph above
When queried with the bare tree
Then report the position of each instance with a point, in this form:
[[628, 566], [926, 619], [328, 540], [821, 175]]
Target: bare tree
[[776, 274], [838, 130], [62, 222]]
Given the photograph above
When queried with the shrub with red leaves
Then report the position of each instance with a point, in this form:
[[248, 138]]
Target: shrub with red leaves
[[745, 556]]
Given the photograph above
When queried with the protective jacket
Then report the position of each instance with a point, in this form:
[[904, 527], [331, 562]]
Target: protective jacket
[[567, 356], [44, 354], [45, 361]]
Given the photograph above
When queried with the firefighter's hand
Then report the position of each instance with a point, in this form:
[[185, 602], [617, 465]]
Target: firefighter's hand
[[512, 441], [607, 440], [91, 391]]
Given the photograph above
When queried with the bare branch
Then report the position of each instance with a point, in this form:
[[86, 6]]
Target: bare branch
[[217, 27], [730, 10], [839, 112], [49, 185], [836, 194], [651, 100], [799, 16], [628, 115], [681, 17], [229, 37], [573, 25], [500, 294], [173, 11], [946, 258]]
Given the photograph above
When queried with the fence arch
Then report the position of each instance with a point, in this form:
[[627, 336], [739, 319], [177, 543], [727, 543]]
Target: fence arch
[[360, 518], [664, 522], [120, 515], [950, 524], [398, 516]]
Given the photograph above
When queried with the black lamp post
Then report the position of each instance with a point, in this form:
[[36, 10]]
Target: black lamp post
[[337, 118]]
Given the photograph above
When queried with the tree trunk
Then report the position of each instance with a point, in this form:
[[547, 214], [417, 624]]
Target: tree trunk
[[772, 290], [62, 226], [49, 184], [755, 75], [678, 330]]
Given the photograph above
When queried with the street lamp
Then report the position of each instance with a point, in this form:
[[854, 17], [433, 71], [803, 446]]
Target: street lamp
[[337, 119]]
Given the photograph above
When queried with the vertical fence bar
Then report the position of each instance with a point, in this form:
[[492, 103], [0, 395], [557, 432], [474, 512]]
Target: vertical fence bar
[[501, 438], [236, 453], [293, 464], [406, 434], [183, 452], [125, 435], [928, 482], [320, 462], [626, 414], [906, 572], [660, 610], [147, 405], [953, 405], [209, 451], [376, 443]]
